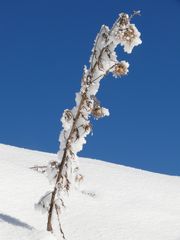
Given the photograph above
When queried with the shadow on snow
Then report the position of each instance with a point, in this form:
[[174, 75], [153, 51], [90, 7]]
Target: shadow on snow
[[14, 221]]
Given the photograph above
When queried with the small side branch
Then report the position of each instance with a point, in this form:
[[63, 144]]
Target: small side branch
[[40, 169], [60, 227]]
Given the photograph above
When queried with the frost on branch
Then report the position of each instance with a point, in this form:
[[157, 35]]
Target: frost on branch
[[64, 173], [129, 37], [43, 204], [121, 69], [97, 110]]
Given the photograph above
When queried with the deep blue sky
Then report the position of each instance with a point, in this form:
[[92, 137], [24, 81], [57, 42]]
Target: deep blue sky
[[43, 47]]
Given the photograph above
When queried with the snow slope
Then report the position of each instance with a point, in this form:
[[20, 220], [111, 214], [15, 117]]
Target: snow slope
[[114, 203]]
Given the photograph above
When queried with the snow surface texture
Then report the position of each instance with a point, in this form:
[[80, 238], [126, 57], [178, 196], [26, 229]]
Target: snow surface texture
[[114, 202]]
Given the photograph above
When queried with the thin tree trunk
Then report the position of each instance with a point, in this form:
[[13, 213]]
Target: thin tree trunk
[[61, 166]]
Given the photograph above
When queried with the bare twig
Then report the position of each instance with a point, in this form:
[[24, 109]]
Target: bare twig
[[135, 13], [60, 227], [41, 169]]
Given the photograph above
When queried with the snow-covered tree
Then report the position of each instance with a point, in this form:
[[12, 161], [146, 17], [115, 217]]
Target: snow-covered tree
[[64, 173]]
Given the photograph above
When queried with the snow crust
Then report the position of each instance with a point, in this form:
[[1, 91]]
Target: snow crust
[[113, 203]]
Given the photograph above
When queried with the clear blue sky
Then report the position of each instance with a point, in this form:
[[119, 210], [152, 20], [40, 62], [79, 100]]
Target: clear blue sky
[[43, 47]]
